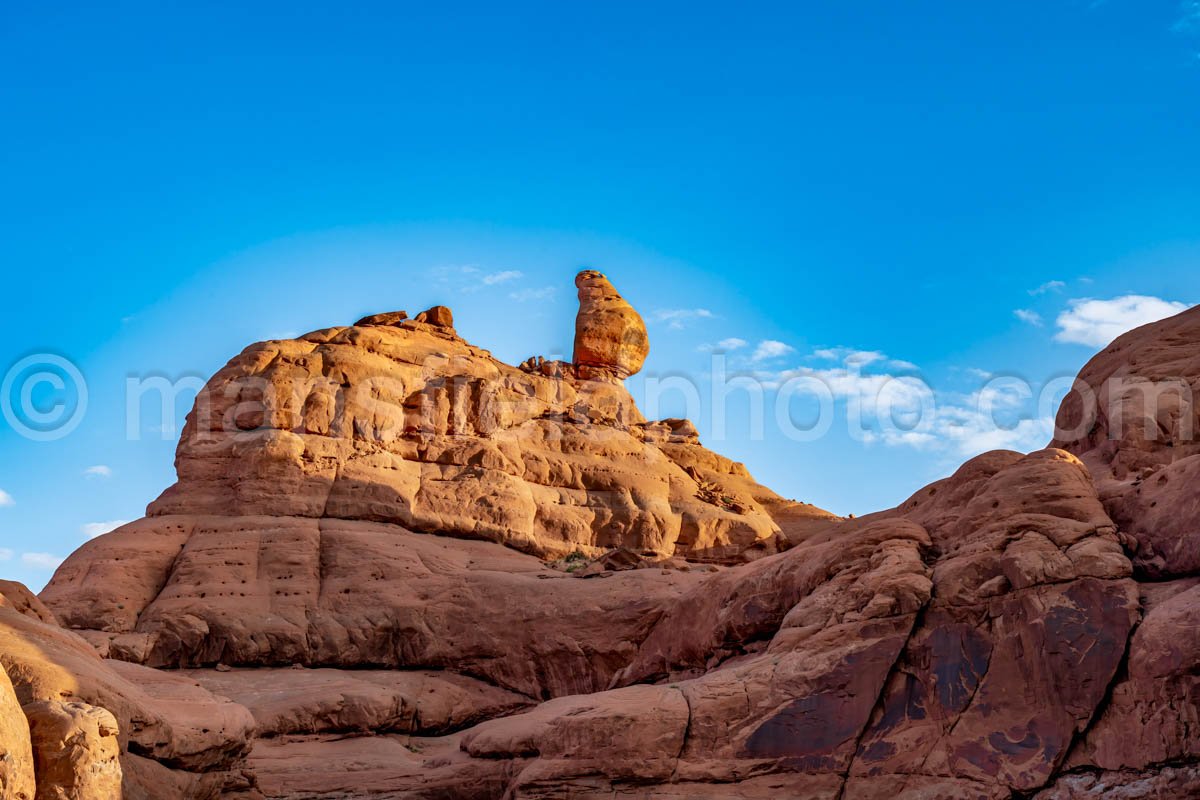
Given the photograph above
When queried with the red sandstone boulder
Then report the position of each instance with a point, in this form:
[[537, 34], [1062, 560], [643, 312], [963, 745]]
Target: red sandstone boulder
[[610, 336]]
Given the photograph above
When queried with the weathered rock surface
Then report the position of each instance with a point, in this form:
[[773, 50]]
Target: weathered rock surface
[[18, 597], [1153, 714], [610, 336], [76, 752], [250, 591], [86, 717], [1134, 420], [532, 592], [16, 752], [305, 701]]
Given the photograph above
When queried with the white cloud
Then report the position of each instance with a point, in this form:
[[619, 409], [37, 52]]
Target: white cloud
[[1029, 317], [502, 277], [678, 318], [861, 358], [93, 529], [6, 499], [903, 411], [6, 554], [770, 348], [1048, 286], [970, 430], [98, 471], [850, 356], [41, 560], [724, 346], [1097, 322], [525, 295]]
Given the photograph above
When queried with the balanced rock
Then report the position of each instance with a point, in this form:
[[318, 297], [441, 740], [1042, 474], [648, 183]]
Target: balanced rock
[[610, 336]]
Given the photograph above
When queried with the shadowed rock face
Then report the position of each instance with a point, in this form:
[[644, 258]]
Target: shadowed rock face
[[988, 638]]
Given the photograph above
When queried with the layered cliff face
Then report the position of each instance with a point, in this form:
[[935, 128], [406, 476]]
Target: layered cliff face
[[383, 595]]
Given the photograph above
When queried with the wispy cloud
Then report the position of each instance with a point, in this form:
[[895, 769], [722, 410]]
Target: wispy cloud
[[679, 318], [93, 529], [771, 348], [453, 272], [1029, 317], [502, 277], [41, 560], [1189, 17], [98, 471], [1048, 286], [6, 554], [724, 346], [849, 355], [468, 278], [855, 357], [1097, 322], [525, 295], [6, 499]]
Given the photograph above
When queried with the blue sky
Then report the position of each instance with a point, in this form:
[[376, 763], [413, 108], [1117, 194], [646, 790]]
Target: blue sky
[[937, 190]]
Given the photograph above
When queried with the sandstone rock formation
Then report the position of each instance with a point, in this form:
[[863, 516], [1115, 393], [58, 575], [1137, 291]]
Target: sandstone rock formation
[[401, 421], [16, 750], [520, 588], [1134, 419], [91, 729], [610, 336]]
